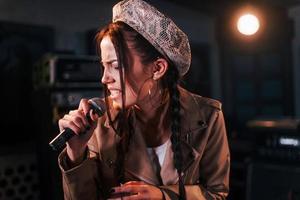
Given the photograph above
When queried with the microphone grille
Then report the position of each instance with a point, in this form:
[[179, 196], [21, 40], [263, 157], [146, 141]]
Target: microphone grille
[[98, 105]]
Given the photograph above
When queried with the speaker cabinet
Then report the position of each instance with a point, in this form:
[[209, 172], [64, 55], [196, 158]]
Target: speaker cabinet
[[274, 181]]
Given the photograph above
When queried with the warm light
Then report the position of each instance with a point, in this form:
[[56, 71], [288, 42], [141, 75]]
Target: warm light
[[248, 24]]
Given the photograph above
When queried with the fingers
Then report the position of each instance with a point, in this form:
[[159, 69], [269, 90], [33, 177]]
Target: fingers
[[93, 115], [84, 105], [137, 190], [63, 123], [75, 120], [133, 197], [131, 190], [134, 183], [78, 117]]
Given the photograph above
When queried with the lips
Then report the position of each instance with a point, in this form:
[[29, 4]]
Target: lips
[[114, 93]]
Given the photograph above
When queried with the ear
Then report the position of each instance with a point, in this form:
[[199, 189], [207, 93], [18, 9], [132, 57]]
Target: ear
[[160, 68]]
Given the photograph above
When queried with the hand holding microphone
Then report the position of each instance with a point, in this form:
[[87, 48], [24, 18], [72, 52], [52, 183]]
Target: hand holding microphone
[[80, 123]]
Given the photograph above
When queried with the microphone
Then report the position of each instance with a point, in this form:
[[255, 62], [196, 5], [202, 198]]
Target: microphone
[[97, 105]]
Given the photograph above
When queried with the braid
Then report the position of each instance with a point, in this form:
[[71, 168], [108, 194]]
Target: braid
[[175, 127]]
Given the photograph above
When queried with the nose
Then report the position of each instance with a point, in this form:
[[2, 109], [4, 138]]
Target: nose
[[106, 77]]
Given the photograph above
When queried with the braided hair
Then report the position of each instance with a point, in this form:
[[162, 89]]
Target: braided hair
[[120, 32], [171, 81]]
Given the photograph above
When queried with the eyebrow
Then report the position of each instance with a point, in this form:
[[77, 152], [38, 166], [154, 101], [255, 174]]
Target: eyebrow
[[108, 61]]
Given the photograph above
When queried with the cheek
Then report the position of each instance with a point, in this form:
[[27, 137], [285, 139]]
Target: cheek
[[141, 83], [116, 77], [131, 94]]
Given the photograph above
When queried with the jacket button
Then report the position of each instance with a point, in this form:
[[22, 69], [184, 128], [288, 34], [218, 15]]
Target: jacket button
[[201, 123], [110, 162]]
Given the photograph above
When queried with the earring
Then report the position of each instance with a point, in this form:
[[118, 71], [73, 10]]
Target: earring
[[153, 77], [149, 90]]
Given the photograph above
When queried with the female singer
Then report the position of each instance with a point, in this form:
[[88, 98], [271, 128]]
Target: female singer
[[156, 140]]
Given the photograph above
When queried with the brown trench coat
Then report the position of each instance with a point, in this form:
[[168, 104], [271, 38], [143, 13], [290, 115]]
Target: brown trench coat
[[205, 152]]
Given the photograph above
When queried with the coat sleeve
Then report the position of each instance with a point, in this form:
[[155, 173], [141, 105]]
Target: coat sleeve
[[80, 182], [214, 166]]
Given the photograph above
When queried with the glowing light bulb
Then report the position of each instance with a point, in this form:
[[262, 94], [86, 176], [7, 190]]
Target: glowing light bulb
[[248, 24]]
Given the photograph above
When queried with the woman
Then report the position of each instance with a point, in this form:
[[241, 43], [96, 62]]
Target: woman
[[156, 140]]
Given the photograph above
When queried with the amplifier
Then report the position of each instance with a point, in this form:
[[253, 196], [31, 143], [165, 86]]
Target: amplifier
[[68, 71], [71, 98], [267, 180], [276, 139]]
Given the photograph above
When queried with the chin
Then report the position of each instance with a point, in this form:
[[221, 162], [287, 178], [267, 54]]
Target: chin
[[117, 105]]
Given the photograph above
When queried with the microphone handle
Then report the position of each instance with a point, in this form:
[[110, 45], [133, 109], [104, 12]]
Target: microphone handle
[[59, 142]]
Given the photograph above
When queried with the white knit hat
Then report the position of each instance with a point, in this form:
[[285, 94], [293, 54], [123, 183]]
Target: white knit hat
[[158, 29]]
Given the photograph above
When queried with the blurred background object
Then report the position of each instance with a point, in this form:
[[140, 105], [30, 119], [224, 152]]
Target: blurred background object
[[48, 62]]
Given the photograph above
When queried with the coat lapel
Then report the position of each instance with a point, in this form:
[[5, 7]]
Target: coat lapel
[[168, 172], [192, 123], [138, 163]]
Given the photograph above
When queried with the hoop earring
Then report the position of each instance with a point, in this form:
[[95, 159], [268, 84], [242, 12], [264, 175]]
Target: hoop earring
[[151, 94]]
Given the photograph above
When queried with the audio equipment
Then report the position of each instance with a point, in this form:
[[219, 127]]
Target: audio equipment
[[276, 139], [68, 71], [276, 181]]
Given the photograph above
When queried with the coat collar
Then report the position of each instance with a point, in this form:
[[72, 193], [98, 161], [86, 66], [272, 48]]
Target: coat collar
[[138, 163], [190, 119]]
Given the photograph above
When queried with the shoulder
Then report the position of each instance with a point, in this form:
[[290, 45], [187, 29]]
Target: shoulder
[[208, 101], [200, 101], [198, 111]]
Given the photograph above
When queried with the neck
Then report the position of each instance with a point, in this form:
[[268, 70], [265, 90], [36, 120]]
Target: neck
[[148, 108], [153, 120]]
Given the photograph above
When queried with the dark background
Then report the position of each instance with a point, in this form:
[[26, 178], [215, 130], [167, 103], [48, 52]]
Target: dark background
[[47, 62]]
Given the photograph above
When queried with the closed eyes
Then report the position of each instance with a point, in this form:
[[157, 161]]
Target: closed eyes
[[110, 64]]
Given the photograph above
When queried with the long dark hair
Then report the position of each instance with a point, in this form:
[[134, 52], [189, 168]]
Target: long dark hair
[[120, 32]]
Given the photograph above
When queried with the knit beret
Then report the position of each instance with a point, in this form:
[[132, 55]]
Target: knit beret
[[158, 29]]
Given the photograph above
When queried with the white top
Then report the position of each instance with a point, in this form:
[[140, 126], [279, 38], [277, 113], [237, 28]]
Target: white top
[[164, 169], [159, 153]]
